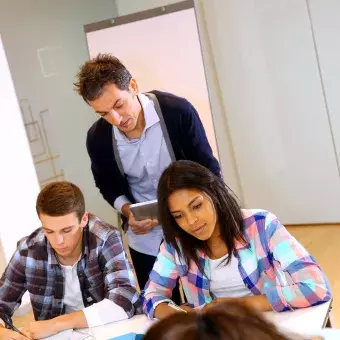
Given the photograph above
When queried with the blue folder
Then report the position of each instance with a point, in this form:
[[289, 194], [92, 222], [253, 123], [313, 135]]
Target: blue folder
[[130, 336]]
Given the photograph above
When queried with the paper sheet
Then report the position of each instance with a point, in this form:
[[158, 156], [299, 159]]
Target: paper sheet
[[64, 335]]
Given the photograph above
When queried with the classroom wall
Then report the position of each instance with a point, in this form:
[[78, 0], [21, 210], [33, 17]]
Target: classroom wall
[[275, 105], [18, 181], [273, 92], [45, 44], [326, 27]]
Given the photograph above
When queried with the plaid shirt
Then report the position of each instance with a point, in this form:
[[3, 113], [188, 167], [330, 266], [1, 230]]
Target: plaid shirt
[[104, 271], [272, 262]]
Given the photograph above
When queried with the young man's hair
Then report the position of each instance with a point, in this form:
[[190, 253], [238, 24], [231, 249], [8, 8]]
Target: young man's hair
[[225, 321], [99, 72], [60, 199]]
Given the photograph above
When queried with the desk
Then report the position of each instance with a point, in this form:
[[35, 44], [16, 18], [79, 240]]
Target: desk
[[303, 321]]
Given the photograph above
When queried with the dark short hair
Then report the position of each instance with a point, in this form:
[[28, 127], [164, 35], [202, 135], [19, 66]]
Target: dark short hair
[[191, 175], [225, 321], [97, 73], [59, 199]]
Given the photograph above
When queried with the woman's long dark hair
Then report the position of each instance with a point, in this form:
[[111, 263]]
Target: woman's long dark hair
[[191, 175]]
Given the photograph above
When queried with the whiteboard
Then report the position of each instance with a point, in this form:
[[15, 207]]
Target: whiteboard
[[162, 53]]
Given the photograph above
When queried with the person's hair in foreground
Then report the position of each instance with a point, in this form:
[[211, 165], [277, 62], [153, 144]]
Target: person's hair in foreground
[[225, 321]]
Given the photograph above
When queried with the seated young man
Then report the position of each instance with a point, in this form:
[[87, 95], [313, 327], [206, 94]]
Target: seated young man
[[74, 268]]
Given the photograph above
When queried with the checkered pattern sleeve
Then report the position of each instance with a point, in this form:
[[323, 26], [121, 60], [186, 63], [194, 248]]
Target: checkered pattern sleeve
[[12, 284], [120, 284], [300, 281], [162, 280]]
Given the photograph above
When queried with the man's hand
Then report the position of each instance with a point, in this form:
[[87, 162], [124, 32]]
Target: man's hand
[[42, 329], [126, 210], [7, 334], [141, 227]]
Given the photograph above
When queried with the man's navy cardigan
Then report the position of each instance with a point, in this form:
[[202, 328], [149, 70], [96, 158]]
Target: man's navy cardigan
[[186, 133]]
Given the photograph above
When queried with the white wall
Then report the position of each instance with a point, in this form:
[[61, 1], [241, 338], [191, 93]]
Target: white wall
[[271, 89], [268, 102], [18, 180], [326, 27], [45, 45]]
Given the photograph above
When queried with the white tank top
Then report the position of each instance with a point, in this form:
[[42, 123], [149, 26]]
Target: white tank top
[[73, 298], [226, 280]]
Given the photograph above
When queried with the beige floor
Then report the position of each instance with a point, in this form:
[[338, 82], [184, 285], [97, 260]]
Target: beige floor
[[323, 242]]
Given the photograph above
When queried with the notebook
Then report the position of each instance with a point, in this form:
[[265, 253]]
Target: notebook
[[64, 335]]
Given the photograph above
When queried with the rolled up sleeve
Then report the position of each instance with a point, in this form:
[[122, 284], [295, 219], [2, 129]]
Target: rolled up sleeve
[[162, 281], [120, 284], [300, 281]]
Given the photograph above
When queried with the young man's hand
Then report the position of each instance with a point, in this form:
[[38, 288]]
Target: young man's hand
[[44, 329], [41, 329], [7, 334]]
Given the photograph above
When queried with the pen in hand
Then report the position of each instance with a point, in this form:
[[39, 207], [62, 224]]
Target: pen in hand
[[8, 322]]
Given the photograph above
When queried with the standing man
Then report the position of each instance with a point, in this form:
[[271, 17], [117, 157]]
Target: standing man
[[74, 268], [136, 137]]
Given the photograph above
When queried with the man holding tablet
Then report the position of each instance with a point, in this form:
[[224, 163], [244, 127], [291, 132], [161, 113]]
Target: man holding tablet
[[136, 137]]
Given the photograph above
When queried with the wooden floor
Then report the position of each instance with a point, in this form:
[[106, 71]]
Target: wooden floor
[[323, 242]]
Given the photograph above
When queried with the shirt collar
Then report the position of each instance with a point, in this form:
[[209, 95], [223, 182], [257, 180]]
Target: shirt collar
[[150, 113], [52, 259], [150, 116]]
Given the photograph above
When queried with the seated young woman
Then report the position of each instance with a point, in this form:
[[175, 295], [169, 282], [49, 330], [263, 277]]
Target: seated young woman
[[221, 252]]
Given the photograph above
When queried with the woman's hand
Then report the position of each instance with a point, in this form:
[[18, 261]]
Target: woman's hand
[[188, 309]]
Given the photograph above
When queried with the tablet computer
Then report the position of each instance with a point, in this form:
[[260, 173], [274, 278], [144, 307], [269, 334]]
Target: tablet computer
[[145, 210]]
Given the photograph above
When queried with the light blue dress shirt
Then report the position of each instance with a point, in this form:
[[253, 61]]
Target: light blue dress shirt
[[143, 161]]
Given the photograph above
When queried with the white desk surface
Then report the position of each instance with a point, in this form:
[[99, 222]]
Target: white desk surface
[[303, 321], [137, 324]]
